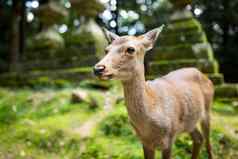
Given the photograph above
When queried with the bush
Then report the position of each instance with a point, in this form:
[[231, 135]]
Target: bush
[[116, 125], [94, 151]]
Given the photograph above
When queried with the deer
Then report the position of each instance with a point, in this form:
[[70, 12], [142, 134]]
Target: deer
[[160, 109]]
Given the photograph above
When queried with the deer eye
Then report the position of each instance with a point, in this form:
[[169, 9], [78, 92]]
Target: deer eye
[[130, 50]]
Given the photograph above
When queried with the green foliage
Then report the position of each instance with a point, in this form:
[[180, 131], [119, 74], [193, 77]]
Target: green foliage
[[10, 110], [37, 104], [116, 125], [49, 140], [94, 151]]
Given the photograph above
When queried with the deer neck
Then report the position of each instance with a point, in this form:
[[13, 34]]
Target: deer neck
[[134, 92]]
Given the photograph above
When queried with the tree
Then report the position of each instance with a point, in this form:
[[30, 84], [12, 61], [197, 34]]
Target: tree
[[14, 35], [220, 20]]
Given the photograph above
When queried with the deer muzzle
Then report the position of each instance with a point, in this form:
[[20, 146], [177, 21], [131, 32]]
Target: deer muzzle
[[98, 70]]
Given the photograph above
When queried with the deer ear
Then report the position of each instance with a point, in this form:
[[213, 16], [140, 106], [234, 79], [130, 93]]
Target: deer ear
[[150, 37], [110, 35]]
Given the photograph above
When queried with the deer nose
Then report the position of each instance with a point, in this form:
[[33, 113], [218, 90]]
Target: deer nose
[[98, 70]]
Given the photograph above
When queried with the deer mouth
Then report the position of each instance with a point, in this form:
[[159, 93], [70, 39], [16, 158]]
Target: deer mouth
[[106, 76]]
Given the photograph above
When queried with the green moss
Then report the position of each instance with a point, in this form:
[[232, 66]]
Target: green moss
[[164, 67], [187, 37], [41, 78], [183, 25], [56, 11], [185, 51], [48, 39], [226, 91], [89, 35], [97, 84], [81, 69], [45, 81], [80, 39], [217, 79], [61, 83], [88, 8]]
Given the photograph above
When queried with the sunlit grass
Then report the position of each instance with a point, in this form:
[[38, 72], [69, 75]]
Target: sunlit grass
[[44, 124]]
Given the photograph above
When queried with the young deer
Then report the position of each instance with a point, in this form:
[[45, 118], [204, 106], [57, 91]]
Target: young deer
[[165, 107]]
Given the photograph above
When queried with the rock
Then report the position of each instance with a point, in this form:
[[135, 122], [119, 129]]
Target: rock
[[216, 78], [87, 8], [226, 91], [84, 96], [54, 10], [48, 39], [180, 4], [92, 35], [79, 96], [93, 103], [182, 44], [119, 99], [186, 51], [164, 67]]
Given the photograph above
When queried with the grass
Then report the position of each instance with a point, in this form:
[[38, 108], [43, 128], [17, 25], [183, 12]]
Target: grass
[[43, 124]]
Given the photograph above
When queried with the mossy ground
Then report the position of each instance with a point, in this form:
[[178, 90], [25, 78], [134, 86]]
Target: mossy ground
[[43, 124]]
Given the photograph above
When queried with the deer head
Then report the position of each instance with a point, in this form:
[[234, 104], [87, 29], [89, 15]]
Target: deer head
[[125, 55]]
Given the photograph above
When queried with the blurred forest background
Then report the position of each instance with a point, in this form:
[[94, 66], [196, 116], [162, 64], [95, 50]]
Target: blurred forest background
[[52, 107], [19, 21]]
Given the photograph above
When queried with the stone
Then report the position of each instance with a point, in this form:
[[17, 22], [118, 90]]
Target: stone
[[79, 96], [164, 67], [226, 91], [183, 43], [47, 39], [89, 31], [181, 14], [51, 13], [87, 8], [216, 78], [39, 78], [90, 34], [180, 4], [185, 51]]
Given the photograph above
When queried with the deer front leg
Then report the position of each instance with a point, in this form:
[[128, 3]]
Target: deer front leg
[[197, 142], [167, 149], [166, 153], [148, 153]]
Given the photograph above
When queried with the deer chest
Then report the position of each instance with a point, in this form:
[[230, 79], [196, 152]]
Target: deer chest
[[149, 131]]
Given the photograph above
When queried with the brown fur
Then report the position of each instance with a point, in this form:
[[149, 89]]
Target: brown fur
[[160, 109]]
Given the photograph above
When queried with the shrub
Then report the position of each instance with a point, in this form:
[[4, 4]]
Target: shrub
[[116, 125]]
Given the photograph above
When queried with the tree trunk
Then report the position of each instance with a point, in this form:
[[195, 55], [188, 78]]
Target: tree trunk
[[225, 25], [22, 28], [14, 36]]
